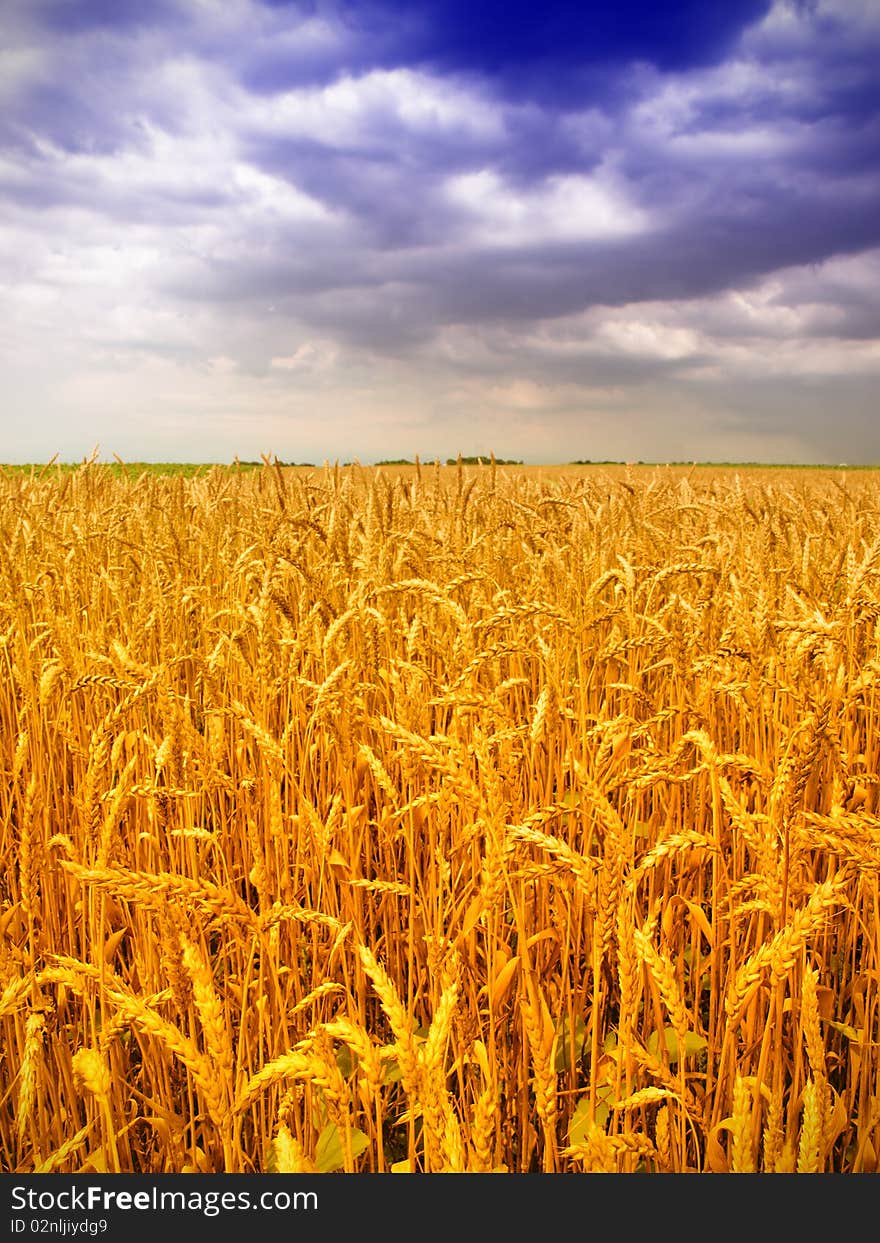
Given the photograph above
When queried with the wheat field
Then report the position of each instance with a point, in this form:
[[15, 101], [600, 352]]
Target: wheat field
[[442, 819]]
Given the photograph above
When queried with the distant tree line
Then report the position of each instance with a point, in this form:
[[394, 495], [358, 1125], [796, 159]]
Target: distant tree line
[[242, 462], [453, 461], [482, 461]]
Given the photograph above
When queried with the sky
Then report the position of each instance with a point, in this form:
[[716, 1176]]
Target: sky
[[358, 229]]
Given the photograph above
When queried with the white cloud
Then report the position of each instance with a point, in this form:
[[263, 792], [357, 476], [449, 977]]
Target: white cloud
[[276, 198], [643, 338], [310, 356], [356, 110], [563, 208]]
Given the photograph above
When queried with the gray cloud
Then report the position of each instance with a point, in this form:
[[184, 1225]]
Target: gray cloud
[[379, 209]]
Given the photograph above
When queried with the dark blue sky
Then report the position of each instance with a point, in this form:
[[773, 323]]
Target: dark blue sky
[[368, 229]]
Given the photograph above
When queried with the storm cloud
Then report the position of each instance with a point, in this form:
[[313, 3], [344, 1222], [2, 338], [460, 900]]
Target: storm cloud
[[340, 229]]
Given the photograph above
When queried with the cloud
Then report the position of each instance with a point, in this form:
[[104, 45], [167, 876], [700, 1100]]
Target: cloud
[[562, 209], [605, 211], [568, 52]]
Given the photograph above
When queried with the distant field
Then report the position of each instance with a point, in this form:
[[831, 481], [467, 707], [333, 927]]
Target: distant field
[[424, 819], [553, 470]]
